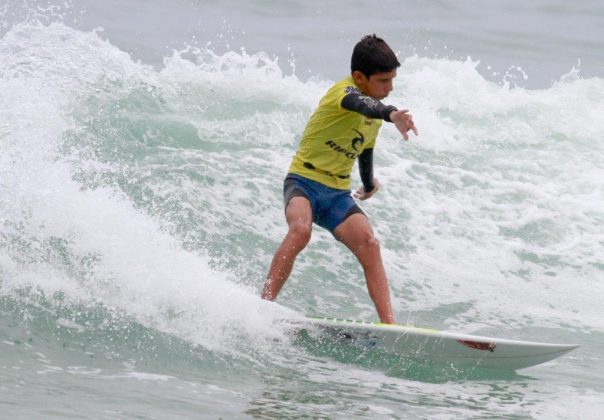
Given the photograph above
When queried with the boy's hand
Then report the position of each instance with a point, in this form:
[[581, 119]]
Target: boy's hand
[[403, 121], [362, 195]]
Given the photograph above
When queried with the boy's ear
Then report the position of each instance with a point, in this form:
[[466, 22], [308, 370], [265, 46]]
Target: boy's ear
[[359, 77]]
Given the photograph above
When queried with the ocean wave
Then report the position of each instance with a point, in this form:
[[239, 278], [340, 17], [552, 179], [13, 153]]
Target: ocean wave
[[159, 190]]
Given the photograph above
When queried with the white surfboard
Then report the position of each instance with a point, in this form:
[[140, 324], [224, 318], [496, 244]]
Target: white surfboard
[[454, 349]]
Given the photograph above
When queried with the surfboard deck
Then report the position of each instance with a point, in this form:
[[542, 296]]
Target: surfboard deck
[[408, 342]]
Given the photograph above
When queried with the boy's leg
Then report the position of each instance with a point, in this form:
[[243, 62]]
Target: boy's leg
[[299, 220], [355, 232]]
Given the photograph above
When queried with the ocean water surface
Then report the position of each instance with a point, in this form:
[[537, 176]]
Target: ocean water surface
[[143, 147]]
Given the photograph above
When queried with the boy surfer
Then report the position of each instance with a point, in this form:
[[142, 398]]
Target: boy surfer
[[342, 129]]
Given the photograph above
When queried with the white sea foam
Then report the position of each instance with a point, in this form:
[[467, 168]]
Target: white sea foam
[[137, 269]]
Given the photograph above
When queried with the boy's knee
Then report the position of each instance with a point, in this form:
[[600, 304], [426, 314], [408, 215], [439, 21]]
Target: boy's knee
[[300, 232], [369, 244]]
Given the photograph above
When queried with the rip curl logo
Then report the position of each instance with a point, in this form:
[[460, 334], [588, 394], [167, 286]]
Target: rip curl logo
[[334, 146], [357, 140], [355, 145]]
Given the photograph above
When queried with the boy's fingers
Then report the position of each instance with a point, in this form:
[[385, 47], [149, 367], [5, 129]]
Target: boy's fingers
[[402, 113]]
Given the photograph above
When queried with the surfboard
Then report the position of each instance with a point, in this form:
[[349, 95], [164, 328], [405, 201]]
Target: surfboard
[[460, 350]]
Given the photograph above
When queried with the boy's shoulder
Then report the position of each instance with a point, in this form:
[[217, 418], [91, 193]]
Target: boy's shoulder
[[338, 90], [345, 86]]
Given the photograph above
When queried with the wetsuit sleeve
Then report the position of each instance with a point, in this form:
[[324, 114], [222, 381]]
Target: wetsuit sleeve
[[366, 169], [363, 104]]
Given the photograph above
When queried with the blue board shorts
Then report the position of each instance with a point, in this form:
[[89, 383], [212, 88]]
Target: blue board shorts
[[330, 206]]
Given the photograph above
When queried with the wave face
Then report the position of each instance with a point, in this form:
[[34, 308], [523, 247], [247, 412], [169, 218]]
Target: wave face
[[140, 207]]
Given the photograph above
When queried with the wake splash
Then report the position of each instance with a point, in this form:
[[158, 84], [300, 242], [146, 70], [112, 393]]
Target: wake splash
[[91, 244]]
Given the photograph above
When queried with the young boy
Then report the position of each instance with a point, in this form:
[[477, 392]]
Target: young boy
[[317, 187]]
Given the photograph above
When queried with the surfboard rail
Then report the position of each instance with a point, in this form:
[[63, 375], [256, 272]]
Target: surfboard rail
[[410, 342]]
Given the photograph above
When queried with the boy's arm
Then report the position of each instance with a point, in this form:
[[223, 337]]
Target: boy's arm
[[366, 169], [370, 184], [357, 102]]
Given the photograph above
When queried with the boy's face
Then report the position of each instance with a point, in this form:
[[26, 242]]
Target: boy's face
[[377, 86]]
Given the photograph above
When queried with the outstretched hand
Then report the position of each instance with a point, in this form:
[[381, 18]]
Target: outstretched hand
[[403, 121], [363, 195]]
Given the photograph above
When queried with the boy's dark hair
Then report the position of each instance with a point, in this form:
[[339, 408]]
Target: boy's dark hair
[[372, 55]]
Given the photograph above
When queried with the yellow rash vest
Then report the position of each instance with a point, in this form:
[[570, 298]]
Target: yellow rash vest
[[345, 123]]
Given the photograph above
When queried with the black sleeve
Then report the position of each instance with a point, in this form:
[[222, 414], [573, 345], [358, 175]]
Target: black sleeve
[[363, 104], [366, 169]]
